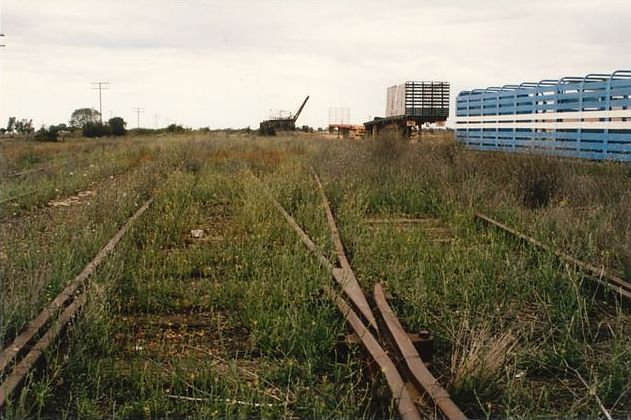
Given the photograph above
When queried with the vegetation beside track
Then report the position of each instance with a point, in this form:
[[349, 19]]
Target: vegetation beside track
[[234, 323]]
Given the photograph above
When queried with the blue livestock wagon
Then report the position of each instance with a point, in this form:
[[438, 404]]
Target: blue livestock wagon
[[587, 117]]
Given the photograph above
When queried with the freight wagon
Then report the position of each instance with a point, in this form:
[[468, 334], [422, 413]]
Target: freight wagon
[[411, 104], [585, 117]]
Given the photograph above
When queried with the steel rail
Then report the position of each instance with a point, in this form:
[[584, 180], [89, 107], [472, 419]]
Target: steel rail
[[45, 167], [61, 300], [315, 250], [18, 196], [26, 364], [419, 374], [404, 402], [344, 278], [15, 197], [351, 285], [599, 275], [25, 172]]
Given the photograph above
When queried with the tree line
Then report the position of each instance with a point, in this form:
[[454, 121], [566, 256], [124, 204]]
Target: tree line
[[83, 121], [87, 121]]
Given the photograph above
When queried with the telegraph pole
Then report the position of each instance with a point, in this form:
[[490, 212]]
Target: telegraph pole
[[156, 120], [1, 33], [100, 86], [138, 110]]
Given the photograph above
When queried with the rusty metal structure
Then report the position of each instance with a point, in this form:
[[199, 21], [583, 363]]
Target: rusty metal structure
[[272, 126], [347, 131]]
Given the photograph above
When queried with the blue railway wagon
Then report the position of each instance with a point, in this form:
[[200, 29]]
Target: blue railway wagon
[[586, 117]]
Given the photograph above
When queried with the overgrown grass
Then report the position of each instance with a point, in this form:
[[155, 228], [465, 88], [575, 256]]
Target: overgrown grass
[[234, 324]]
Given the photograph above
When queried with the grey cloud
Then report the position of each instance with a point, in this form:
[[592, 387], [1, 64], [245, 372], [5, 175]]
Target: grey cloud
[[226, 63]]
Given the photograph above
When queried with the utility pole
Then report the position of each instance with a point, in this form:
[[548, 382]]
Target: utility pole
[[138, 110], [156, 120], [1, 33], [100, 86]]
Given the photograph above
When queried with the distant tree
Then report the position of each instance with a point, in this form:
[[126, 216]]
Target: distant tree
[[117, 126], [51, 133], [175, 128], [11, 125], [96, 129], [80, 117], [23, 126]]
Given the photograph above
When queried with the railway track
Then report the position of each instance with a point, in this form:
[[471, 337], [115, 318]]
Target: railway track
[[28, 171], [45, 167], [99, 180], [19, 358], [380, 333], [608, 281]]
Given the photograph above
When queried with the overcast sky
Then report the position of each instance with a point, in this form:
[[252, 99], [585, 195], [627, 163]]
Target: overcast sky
[[228, 63]]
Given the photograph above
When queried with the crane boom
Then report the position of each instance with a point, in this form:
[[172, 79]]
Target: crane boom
[[300, 109]]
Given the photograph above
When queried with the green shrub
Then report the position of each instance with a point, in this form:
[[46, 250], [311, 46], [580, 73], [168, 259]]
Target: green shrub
[[92, 129], [117, 126], [175, 128], [51, 133], [538, 179]]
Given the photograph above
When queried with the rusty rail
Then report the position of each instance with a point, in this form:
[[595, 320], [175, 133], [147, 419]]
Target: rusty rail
[[419, 374], [350, 285], [599, 275], [401, 395], [15, 197], [45, 167], [28, 171], [71, 299], [393, 374], [404, 402]]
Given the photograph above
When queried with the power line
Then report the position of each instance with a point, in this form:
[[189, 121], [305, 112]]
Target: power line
[[100, 86], [138, 110]]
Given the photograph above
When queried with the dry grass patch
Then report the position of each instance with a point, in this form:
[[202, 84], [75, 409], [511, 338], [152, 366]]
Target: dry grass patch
[[478, 358]]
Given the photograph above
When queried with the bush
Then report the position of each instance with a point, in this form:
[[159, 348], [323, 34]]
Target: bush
[[175, 128], [538, 178], [388, 147], [92, 129], [117, 126], [46, 134], [142, 131], [51, 133]]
